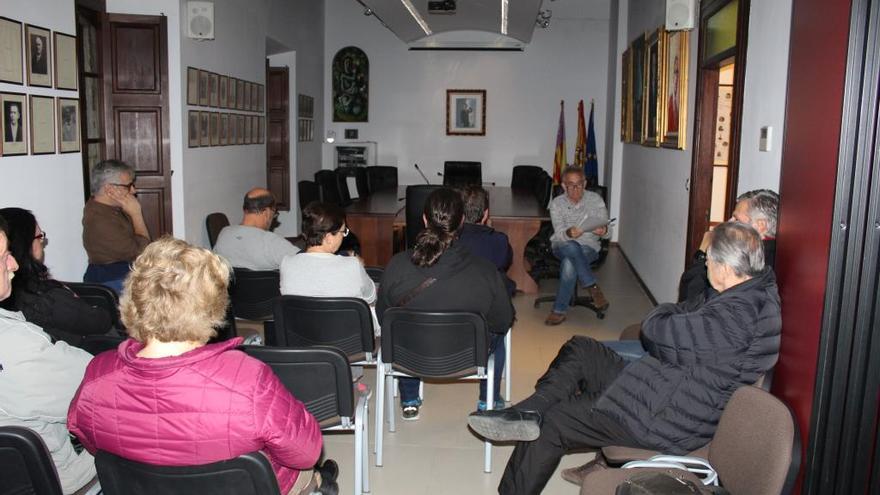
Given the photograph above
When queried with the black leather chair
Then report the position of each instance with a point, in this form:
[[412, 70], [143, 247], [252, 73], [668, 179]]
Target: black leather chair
[[459, 174], [328, 186], [253, 293], [375, 273], [344, 323], [415, 205], [25, 464], [99, 296], [321, 379], [215, 223], [381, 177], [308, 192], [524, 176], [360, 177], [248, 474]]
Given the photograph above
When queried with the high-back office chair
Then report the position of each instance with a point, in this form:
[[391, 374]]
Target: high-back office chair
[[98, 295], [415, 205], [308, 192], [459, 174], [253, 293], [26, 466], [360, 177], [380, 177], [328, 186], [524, 176], [214, 223], [248, 474]]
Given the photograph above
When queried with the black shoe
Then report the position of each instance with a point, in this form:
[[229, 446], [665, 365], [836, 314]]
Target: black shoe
[[506, 425], [329, 470]]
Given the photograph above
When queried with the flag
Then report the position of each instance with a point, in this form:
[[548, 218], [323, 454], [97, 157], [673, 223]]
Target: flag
[[591, 166], [580, 152], [560, 159]]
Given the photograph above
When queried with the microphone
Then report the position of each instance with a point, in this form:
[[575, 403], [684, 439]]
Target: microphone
[[489, 184], [416, 165]]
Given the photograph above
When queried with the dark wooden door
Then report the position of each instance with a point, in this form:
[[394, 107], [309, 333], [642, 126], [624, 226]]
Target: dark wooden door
[[136, 108], [278, 135]]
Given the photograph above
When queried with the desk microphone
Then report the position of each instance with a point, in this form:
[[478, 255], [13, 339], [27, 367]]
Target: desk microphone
[[416, 165]]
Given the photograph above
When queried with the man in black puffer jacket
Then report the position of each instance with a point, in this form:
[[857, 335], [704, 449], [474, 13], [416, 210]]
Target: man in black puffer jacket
[[699, 353]]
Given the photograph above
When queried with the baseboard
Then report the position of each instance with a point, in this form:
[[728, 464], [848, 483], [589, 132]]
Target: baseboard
[[636, 273]]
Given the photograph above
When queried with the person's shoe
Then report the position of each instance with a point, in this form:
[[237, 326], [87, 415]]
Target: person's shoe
[[329, 470], [499, 404], [598, 298], [554, 318], [410, 413], [577, 475], [504, 425]]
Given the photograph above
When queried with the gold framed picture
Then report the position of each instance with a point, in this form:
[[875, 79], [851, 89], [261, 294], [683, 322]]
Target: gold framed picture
[[261, 98], [68, 125], [255, 95], [653, 117], [215, 129], [14, 123], [11, 62], [239, 97], [224, 91], [232, 135], [247, 96], [213, 90], [42, 112], [193, 138], [233, 93], [66, 66], [38, 56], [203, 88], [625, 97], [192, 86], [204, 129], [465, 112], [224, 128], [675, 83]]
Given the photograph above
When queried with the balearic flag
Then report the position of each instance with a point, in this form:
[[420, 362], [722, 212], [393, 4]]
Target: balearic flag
[[580, 150], [560, 159]]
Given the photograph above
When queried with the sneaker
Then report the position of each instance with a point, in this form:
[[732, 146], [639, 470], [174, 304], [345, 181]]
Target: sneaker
[[576, 475], [329, 470], [598, 298], [554, 318], [499, 404], [506, 425], [410, 413]]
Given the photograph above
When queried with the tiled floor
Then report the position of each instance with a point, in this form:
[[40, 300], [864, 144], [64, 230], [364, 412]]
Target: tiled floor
[[438, 454]]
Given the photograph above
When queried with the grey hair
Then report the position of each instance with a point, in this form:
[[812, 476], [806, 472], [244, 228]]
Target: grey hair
[[763, 205], [107, 171], [738, 246]]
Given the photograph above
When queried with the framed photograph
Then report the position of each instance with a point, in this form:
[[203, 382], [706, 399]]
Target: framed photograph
[[66, 67], [248, 136], [213, 90], [193, 129], [224, 128], [11, 62], [68, 125], [230, 98], [215, 129], [42, 127], [204, 128], [255, 129], [203, 88], [239, 96], [255, 95], [262, 129], [247, 96], [625, 84], [38, 56], [675, 83], [232, 131], [653, 89], [192, 86], [224, 91], [637, 88], [240, 129], [14, 124], [261, 97], [465, 112]]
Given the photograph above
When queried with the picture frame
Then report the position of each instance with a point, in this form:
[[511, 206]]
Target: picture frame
[[673, 129], [223, 92], [42, 124], [38, 53], [203, 88], [11, 62], [192, 86], [255, 129], [247, 97], [625, 96], [465, 112], [232, 133], [66, 62], [637, 89], [248, 137], [204, 128], [653, 115], [224, 128], [255, 95], [239, 97], [215, 129], [213, 90], [69, 118], [193, 121], [240, 129], [230, 98], [262, 129], [261, 97], [14, 124]]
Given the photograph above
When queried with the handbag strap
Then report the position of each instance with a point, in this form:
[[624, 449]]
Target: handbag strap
[[409, 296]]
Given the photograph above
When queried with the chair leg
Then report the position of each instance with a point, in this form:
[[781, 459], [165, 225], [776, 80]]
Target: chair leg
[[422, 390], [365, 451], [389, 382], [380, 406], [507, 365], [490, 402], [358, 454], [395, 387]]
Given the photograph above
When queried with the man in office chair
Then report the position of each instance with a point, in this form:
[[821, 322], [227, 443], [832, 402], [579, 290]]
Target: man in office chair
[[579, 220], [252, 244]]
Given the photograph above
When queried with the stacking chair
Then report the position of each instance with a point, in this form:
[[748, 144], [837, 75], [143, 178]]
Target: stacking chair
[[98, 295], [380, 177], [360, 178], [321, 379], [459, 174], [328, 187], [415, 204], [215, 223], [308, 192], [431, 345], [524, 176], [248, 474], [253, 293], [25, 463]]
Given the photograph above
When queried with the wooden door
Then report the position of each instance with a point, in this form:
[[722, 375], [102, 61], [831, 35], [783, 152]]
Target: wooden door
[[136, 108], [278, 135]]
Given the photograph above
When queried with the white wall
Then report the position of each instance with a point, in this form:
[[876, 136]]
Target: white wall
[[408, 91]]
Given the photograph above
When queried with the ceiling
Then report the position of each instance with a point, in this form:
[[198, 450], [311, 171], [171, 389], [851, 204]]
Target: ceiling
[[471, 15]]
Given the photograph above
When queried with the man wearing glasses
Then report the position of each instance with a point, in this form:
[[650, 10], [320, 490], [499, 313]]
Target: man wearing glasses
[[252, 244], [579, 222], [114, 231]]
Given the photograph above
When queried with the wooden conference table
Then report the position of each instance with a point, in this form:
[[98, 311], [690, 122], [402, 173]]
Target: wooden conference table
[[516, 213]]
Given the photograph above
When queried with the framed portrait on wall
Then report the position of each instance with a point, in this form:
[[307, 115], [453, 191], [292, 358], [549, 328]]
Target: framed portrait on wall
[[223, 93], [654, 111], [38, 56], [215, 129], [255, 96], [465, 112], [11, 62], [42, 112], [192, 86], [224, 128], [213, 90], [261, 97], [14, 123], [204, 128], [625, 84], [230, 98], [637, 88], [203, 88], [68, 125], [675, 83], [193, 121], [239, 97], [66, 67], [239, 127], [247, 96]]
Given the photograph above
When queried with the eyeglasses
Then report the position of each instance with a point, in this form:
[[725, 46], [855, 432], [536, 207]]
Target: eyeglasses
[[344, 232], [42, 236], [573, 185], [127, 186]]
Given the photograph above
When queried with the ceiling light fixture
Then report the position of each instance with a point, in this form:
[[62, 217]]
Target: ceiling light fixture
[[543, 19], [504, 17], [415, 15]]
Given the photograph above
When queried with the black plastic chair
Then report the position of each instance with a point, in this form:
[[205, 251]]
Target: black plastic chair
[[321, 379], [328, 187], [25, 463], [96, 344], [248, 474], [99, 296], [360, 178], [524, 176], [415, 205], [459, 174], [215, 222], [344, 323], [308, 192], [375, 273], [542, 188], [253, 293], [380, 177]]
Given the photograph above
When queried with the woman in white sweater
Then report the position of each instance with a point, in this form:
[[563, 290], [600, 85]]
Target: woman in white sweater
[[319, 271]]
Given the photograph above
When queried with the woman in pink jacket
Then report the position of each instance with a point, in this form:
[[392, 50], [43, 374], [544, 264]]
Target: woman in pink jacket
[[166, 397]]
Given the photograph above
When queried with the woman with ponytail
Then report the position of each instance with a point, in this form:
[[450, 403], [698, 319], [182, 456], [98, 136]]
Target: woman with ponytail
[[437, 274]]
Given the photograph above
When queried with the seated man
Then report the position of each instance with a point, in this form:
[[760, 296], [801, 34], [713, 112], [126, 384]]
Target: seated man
[[576, 248], [114, 232], [699, 353], [252, 244], [38, 379]]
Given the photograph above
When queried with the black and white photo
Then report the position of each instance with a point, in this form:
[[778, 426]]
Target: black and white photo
[[68, 125], [38, 55]]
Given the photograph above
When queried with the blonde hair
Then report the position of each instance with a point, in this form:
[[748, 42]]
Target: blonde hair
[[175, 293]]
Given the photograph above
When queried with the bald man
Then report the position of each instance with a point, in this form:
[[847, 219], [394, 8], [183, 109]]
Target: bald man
[[251, 245]]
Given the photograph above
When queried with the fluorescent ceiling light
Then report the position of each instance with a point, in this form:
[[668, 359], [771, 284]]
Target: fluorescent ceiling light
[[415, 14], [504, 17]]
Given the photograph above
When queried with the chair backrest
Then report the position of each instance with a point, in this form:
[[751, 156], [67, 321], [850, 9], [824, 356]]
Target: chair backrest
[[25, 464], [542, 187], [415, 205], [319, 377], [96, 344], [360, 178], [457, 174], [341, 322], [753, 446], [375, 273], [524, 176], [98, 295], [308, 192], [248, 474], [328, 186], [434, 344], [381, 177], [253, 292], [215, 223]]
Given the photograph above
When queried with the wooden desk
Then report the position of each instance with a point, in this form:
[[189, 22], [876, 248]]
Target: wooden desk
[[516, 213]]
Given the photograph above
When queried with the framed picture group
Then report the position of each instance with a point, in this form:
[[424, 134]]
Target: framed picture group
[[50, 124], [225, 129], [654, 89], [208, 89]]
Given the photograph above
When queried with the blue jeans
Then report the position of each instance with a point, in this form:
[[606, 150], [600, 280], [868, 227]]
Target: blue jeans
[[629, 350], [112, 274], [575, 267], [409, 387]]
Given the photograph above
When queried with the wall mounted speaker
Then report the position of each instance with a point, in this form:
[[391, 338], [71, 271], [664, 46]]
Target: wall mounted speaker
[[200, 20], [680, 14]]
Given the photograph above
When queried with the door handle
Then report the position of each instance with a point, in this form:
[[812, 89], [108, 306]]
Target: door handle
[[687, 184]]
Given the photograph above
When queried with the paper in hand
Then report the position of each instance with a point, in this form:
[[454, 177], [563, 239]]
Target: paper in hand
[[588, 224]]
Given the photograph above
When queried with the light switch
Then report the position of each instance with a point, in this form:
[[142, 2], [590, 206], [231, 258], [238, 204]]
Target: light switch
[[766, 140]]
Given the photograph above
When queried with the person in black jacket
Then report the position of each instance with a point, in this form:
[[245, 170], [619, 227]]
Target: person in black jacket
[[461, 281], [699, 353], [43, 301]]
